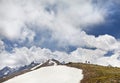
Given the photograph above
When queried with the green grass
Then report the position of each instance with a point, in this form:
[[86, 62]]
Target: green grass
[[98, 74]]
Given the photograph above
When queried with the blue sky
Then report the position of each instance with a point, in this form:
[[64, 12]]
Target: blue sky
[[78, 30], [43, 36], [111, 26]]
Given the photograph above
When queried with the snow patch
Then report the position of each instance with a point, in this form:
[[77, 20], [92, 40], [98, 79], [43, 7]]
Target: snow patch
[[36, 67], [53, 62], [50, 74]]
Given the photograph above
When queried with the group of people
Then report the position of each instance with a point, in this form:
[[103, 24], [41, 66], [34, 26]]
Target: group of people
[[87, 62]]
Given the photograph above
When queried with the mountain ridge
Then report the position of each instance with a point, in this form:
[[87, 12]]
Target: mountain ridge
[[92, 73]]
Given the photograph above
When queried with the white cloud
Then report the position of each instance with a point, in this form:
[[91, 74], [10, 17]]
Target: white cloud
[[113, 60], [64, 17], [87, 55], [19, 20], [24, 56], [27, 33], [103, 42], [2, 47]]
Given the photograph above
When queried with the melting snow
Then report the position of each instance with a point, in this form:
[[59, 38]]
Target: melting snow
[[51, 74]]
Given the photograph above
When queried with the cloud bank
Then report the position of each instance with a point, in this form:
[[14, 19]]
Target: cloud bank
[[56, 24], [63, 18]]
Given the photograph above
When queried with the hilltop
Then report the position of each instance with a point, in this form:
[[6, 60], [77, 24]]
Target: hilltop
[[91, 73]]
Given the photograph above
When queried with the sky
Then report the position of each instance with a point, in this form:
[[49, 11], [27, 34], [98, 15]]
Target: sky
[[79, 30]]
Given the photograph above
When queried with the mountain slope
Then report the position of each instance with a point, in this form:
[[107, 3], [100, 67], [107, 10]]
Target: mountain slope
[[92, 73], [50, 74], [25, 69], [98, 74]]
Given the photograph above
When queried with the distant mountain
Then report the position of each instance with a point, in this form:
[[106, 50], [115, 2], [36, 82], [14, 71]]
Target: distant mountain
[[6, 71]]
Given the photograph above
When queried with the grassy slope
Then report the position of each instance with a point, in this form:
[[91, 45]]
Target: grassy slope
[[98, 74]]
